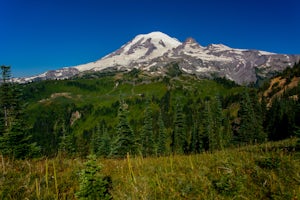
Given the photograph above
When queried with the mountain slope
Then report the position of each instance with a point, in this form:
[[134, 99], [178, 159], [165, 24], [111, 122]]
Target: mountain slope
[[155, 50]]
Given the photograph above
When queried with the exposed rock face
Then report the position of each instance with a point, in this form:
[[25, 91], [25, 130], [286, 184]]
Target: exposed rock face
[[155, 50], [74, 117]]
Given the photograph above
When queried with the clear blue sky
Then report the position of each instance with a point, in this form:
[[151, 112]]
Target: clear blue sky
[[39, 35]]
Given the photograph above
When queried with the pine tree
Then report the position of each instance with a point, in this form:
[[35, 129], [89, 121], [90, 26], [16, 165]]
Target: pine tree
[[67, 140], [104, 148], [208, 128], [217, 115], [6, 97], [162, 137], [147, 138], [179, 137], [124, 141], [227, 131], [194, 146], [251, 129], [15, 139], [92, 184]]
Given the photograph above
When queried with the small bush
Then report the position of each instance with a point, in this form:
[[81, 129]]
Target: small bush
[[92, 185], [268, 163]]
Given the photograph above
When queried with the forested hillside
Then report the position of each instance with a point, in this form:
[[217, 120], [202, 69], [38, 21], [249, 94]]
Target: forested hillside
[[110, 114]]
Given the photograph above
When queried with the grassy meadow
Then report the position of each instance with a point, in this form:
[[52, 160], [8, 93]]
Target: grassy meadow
[[266, 171]]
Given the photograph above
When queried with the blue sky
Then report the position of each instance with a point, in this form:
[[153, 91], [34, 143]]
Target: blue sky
[[39, 35]]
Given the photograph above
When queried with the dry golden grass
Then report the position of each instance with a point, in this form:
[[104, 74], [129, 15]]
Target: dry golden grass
[[267, 171]]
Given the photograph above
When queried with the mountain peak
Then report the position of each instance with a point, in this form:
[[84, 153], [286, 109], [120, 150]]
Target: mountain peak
[[156, 49], [190, 40], [218, 47], [157, 36]]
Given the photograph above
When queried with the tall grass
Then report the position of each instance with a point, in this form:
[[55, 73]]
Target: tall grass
[[268, 171]]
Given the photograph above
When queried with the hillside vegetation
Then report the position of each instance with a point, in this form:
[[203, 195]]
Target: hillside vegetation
[[131, 135], [83, 107], [267, 171]]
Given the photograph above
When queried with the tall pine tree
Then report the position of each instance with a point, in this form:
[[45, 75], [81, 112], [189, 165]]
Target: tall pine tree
[[15, 139], [124, 141], [104, 147], [162, 137], [179, 136], [147, 136], [251, 129]]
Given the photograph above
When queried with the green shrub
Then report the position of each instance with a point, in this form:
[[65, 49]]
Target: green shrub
[[92, 185]]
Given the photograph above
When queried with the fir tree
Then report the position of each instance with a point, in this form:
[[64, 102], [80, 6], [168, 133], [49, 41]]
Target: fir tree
[[251, 129], [227, 131], [104, 147], [162, 137], [6, 98], [179, 137], [217, 139], [15, 139], [147, 138], [194, 147], [92, 184], [208, 128], [67, 140], [125, 140]]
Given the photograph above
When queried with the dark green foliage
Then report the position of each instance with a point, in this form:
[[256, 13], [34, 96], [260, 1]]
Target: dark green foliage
[[147, 135], [297, 134], [228, 184], [162, 137], [226, 82], [179, 135], [15, 140], [269, 163], [251, 129], [194, 145], [208, 132], [281, 119], [6, 98], [53, 121], [92, 184], [190, 125], [124, 142], [283, 115], [216, 140], [103, 144]]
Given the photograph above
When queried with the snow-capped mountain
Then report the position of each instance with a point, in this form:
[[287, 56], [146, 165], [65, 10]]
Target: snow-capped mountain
[[155, 50]]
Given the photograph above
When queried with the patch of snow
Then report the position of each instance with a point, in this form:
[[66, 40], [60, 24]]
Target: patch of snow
[[187, 70], [266, 53], [204, 69]]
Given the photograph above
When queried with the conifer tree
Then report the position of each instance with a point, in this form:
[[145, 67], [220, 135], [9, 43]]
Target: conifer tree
[[162, 137], [251, 129], [96, 139], [67, 141], [218, 139], [6, 97], [179, 137], [208, 127], [15, 140], [194, 147], [124, 141], [92, 184], [104, 147], [63, 146], [147, 138], [227, 131]]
